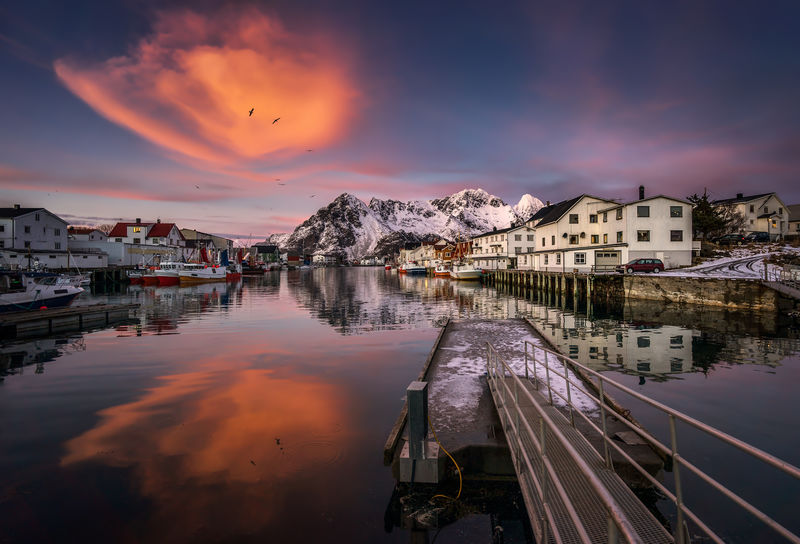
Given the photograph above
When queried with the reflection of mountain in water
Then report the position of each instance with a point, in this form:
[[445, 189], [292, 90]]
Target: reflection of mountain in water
[[360, 300], [15, 356], [654, 348]]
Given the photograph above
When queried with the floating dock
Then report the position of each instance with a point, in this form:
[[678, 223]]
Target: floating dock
[[31, 323]]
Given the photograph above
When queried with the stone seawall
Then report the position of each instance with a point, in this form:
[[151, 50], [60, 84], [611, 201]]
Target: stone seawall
[[724, 293]]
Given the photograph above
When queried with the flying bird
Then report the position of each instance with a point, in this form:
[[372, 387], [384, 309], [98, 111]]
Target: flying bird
[[251, 112], [278, 441], [281, 184], [312, 196], [276, 120], [309, 150], [197, 186]]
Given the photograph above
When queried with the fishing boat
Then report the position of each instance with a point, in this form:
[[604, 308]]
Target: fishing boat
[[465, 272], [20, 290], [441, 271], [412, 268], [149, 277], [387, 267], [168, 273], [201, 273], [234, 272]]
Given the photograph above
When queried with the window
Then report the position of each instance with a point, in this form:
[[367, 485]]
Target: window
[[595, 238], [530, 237], [605, 238], [117, 239], [57, 232], [580, 258], [752, 208], [52, 256], [573, 239], [605, 217], [619, 213], [37, 216], [502, 237], [517, 249], [553, 240], [58, 245], [675, 341], [780, 211], [2, 243], [619, 236], [27, 229], [546, 259], [137, 229], [676, 211], [27, 244], [642, 235], [676, 236], [751, 221], [543, 244], [2, 228], [643, 342], [155, 240], [517, 237], [766, 210], [642, 211], [558, 258], [573, 218], [593, 218], [137, 240]]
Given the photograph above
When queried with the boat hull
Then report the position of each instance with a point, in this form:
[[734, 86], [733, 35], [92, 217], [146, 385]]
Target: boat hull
[[150, 279], [165, 280], [473, 275], [39, 304]]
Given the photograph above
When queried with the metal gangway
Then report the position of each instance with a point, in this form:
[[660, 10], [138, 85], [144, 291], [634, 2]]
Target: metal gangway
[[571, 491]]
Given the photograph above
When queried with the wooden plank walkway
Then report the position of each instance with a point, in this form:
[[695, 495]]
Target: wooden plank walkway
[[584, 501], [37, 322]]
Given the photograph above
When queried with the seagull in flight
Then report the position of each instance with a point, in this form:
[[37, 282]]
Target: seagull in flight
[[312, 196], [197, 186], [276, 120], [251, 112], [309, 150], [281, 184]]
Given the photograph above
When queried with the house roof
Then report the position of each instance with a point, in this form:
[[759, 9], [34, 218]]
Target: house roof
[[83, 230], [554, 212], [8, 213], [794, 212], [740, 198], [159, 230], [120, 230], [494, 231]]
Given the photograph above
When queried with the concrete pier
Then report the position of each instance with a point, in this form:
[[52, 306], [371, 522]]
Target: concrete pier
[[41, 322]]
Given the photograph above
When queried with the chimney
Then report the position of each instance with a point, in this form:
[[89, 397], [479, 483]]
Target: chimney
[[158, 220], [548, 203], [494, 228], [138, 220], [641, 192], [740, 195]]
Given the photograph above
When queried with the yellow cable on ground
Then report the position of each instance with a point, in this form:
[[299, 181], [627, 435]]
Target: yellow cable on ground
[[454, 462]]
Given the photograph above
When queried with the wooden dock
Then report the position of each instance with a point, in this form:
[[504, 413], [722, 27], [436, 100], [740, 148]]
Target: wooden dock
[[463, 411], [42, 322]]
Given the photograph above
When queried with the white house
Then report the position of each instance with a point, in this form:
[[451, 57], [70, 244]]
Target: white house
[[86, 234], [499, 249], [37, 238], [762, 213], [587, 233]]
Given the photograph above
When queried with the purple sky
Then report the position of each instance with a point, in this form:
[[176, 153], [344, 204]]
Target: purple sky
[[140, 109]]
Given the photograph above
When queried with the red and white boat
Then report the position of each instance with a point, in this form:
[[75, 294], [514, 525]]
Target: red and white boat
[[234, 272], [168, 273]]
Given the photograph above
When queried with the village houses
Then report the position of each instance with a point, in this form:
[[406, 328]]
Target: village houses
[[762, 213]]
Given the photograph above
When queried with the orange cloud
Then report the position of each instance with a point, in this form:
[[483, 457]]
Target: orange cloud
[[188, 87], [203, 431]]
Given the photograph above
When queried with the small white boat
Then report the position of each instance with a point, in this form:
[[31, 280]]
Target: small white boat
[[441, 271], [200, 273], [465, 272], [412, 268], [33, 291]]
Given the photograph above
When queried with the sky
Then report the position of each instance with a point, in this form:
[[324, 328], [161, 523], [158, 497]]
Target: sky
[[116, 110]]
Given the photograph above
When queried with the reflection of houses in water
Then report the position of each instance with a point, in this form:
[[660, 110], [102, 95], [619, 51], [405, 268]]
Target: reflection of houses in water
[[652, 348], [164, 308], [14, 357]]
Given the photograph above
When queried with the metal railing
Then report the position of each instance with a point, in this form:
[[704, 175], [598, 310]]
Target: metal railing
[[546, 480], [608, 407]]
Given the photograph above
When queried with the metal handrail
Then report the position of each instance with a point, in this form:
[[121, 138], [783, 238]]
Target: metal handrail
[[671, 450], [613, 510]]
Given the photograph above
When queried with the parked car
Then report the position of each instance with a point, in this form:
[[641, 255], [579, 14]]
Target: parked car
[[732, 239], [757, 237], [642, 265]]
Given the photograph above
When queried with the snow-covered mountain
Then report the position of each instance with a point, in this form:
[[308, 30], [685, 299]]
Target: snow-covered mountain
[[349, 227], [527, 206]]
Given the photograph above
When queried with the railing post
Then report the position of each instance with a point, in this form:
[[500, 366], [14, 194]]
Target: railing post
[[569, 396], [547, 377], [676, 470], [417, 399], [544, 480], [606, 454], [535, 375], [526, 358]]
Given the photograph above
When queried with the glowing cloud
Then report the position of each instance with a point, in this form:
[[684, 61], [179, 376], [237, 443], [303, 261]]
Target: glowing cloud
[[188, 87]]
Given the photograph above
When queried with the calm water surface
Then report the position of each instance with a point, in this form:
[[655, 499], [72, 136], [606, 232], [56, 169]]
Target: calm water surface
[[258, 411]]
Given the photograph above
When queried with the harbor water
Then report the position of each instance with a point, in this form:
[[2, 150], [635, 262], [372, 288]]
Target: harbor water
[[257, 411]]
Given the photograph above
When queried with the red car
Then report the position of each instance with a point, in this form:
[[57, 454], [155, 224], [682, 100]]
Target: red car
[[642, 265]]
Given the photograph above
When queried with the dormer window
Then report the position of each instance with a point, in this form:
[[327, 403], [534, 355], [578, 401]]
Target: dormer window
[[137, 229]]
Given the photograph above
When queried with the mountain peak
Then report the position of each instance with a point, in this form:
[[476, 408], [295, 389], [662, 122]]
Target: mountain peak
[[527, 206]]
